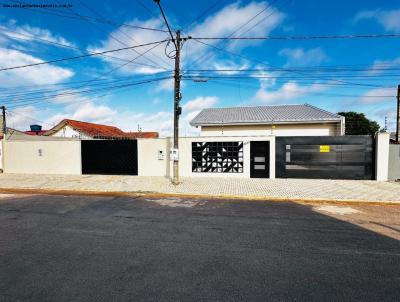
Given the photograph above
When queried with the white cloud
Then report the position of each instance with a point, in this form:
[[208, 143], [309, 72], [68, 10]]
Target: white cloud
[[301, 57], [232, 19], [223, 23], [287, 92], [31, 34], [199, 103], [373, 96], [380, 66], [42, 74], [22, 117], [87, 110], [131, 36], [389, 19], [234, 68]]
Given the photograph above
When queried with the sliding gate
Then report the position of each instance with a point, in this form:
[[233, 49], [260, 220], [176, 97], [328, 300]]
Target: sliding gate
[[109, 157], [327, 157]]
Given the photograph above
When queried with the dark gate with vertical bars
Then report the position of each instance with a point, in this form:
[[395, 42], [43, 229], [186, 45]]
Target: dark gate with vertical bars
[[328, 157], [109, 157]]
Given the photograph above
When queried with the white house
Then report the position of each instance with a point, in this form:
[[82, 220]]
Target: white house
[[276, 120]]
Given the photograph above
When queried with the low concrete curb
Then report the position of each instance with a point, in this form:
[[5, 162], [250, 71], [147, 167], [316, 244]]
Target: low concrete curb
[[195, 196]]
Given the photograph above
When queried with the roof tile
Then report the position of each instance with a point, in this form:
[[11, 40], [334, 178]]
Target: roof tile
[[263, 114]]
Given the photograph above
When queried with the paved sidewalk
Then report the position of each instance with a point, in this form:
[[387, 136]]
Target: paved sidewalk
[[272, 189]]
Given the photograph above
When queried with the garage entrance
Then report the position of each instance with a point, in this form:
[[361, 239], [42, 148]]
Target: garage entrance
[[109, 157], [329, 157], [259, 159]]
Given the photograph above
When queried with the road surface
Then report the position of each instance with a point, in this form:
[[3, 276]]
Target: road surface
[[91, 248]]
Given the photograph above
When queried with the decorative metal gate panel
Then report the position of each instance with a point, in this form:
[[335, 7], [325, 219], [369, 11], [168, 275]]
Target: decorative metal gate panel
[[109, 157], [329, 157], [217, 157]]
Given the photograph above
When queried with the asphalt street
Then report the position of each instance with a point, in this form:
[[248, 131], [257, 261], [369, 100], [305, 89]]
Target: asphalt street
[[81, 248]]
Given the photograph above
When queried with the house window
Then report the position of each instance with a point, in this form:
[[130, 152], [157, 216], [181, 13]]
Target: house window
[[217, 157]]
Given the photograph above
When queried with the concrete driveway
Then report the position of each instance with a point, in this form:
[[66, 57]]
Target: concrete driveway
[[74, 248]]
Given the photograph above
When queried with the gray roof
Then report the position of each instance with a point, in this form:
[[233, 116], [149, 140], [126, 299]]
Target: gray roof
[[264, 115]]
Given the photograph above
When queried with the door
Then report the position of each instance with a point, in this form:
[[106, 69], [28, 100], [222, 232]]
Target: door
[[259, 159]]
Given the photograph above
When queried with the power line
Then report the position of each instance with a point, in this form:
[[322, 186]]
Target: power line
[[36, 38], [112, 36], [102, 75], [149, 11], [370, 36], [82, 56], [270, 65], [37, 100], [205, 56], [202, 14], [97, 20], [28, 117], [316, 93], [165, 20]]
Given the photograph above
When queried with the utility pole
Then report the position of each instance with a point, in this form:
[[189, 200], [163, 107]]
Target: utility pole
[[398, 115], [177, 41], [177, 108], [3, 119]]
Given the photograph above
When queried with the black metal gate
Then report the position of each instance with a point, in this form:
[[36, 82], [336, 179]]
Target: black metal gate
[[329, 157], [110, 157]]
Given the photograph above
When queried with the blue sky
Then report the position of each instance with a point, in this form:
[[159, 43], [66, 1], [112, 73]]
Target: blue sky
[[334, 74]]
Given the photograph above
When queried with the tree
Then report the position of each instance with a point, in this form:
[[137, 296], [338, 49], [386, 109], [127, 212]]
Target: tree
[[359, 124]]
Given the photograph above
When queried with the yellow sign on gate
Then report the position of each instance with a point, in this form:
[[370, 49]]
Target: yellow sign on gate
[[324, 149]]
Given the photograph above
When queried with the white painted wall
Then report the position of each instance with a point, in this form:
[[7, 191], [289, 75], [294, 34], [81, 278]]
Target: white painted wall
[[382, 156], [1, 154], [57, 157], [318, 129], [150, 165], [68, 131]]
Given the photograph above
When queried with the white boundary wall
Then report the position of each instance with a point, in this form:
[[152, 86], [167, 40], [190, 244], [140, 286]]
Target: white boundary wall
[[42, 157], [382, 156], [149, 163], [1, 154]]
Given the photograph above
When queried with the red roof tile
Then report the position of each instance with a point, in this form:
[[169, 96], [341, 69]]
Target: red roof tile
[[142, 134], [41, 132]]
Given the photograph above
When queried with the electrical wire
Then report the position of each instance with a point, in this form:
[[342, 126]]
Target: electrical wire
[[206, 56], [82, 17], [66, 46], [270, 65], [81, 56], [113, 37], [356, 36]]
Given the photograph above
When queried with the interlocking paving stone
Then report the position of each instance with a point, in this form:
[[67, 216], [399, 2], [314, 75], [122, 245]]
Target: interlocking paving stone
[[269, 188]]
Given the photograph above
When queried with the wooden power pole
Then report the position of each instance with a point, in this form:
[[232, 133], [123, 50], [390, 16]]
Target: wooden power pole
[[398, 115], [177, 41], [177, 108]]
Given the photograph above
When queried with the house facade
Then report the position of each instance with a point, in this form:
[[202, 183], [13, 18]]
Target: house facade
[[282, 120]]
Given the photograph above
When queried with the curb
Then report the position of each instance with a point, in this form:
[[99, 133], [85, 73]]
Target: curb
[[195, 196]]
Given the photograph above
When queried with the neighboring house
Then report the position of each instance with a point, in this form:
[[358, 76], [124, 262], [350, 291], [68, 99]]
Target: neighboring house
[[84, 130], [277, 120]]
